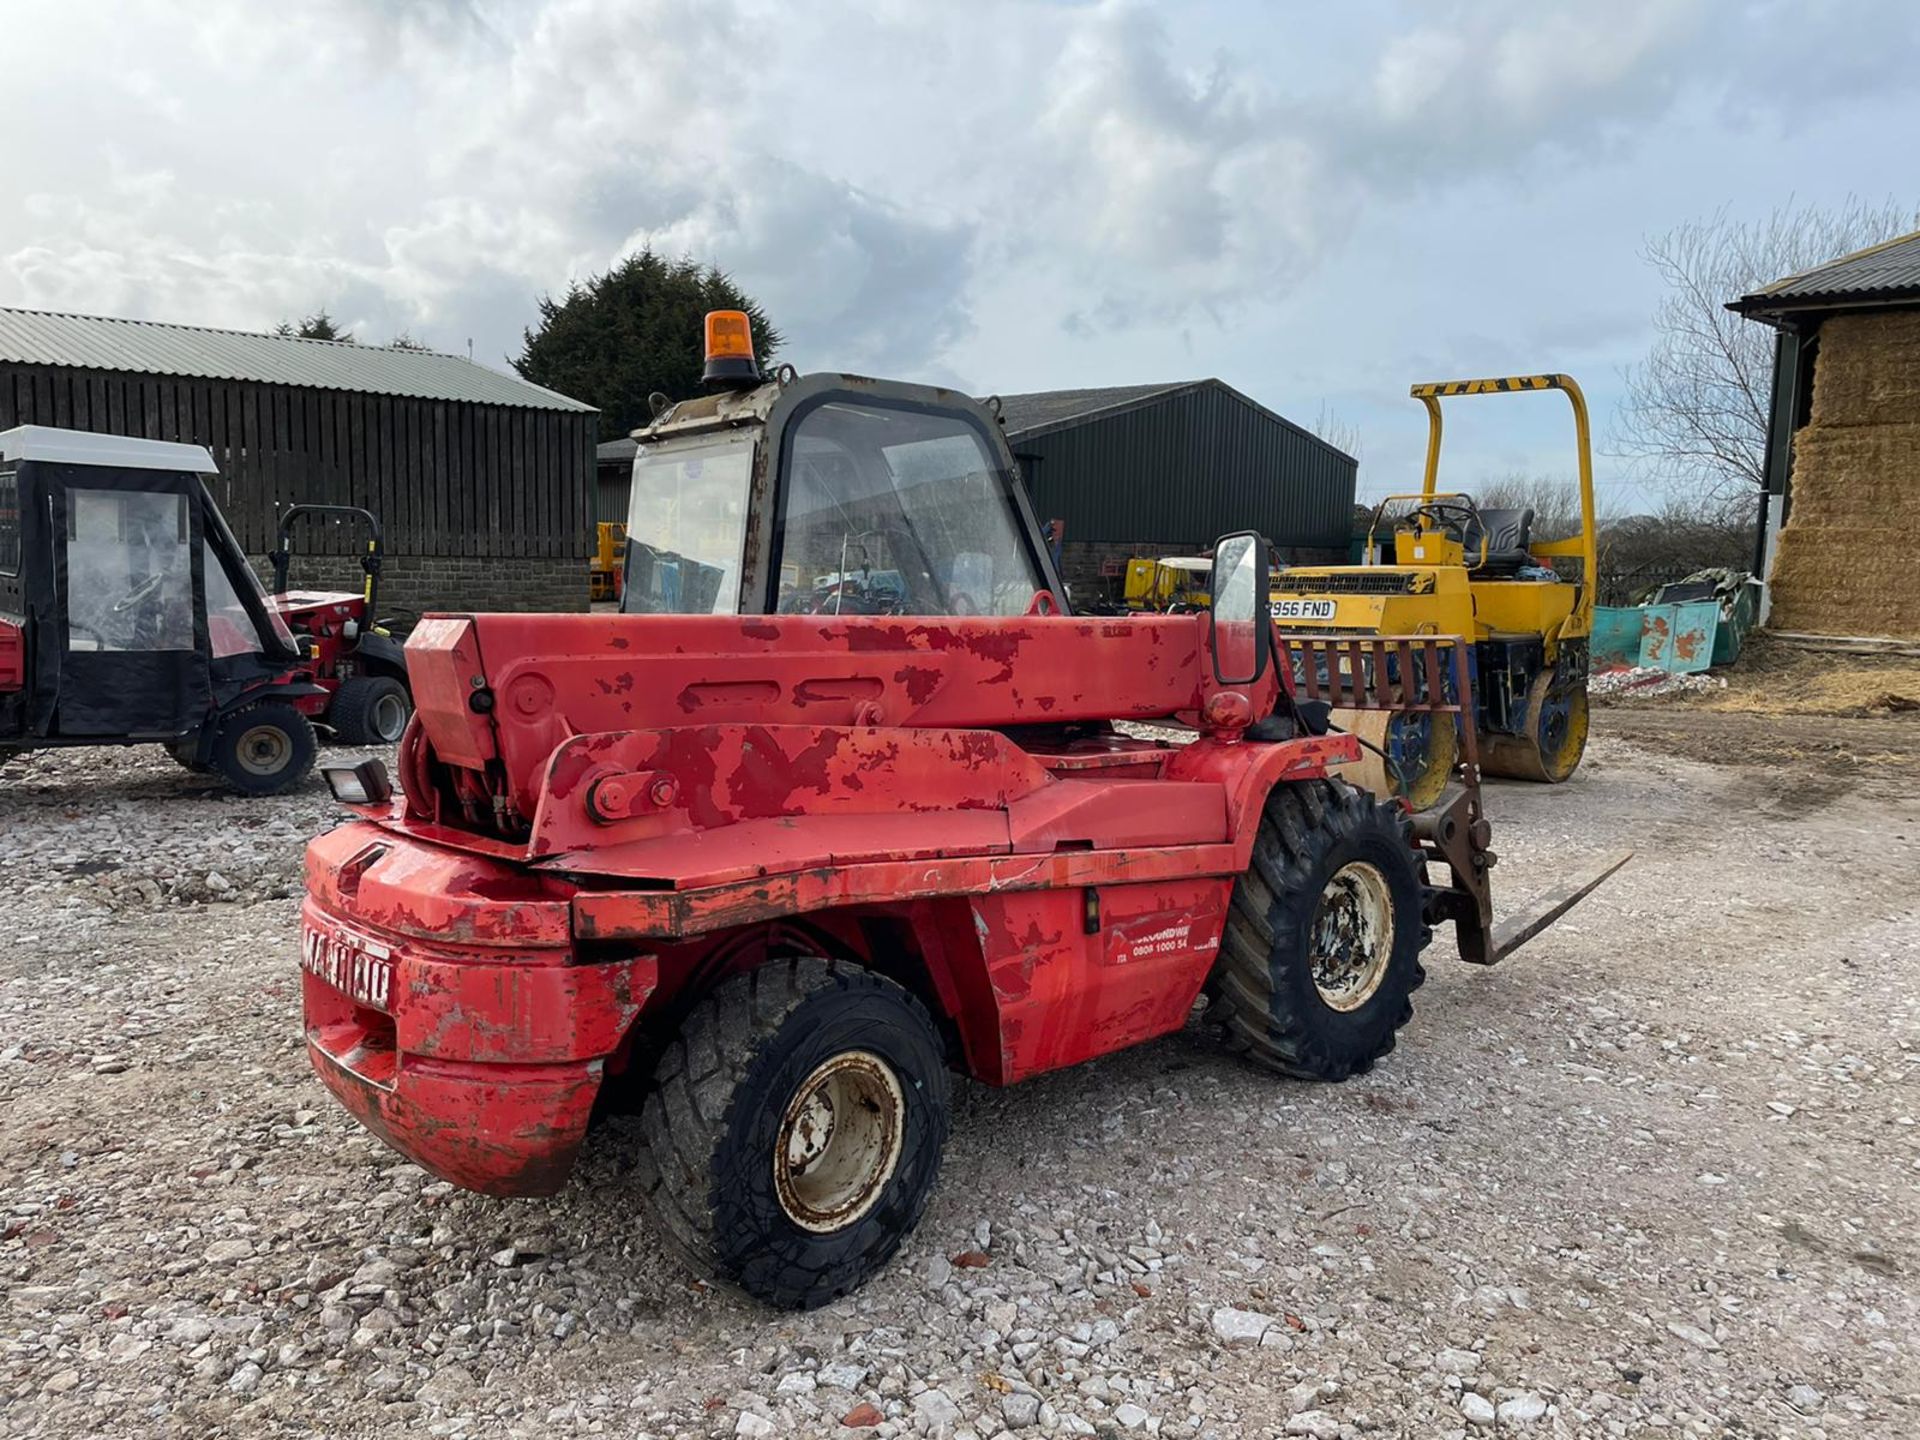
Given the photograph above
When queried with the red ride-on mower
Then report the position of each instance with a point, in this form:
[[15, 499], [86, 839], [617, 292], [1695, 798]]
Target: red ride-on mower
[[350, 652], [129, 614]]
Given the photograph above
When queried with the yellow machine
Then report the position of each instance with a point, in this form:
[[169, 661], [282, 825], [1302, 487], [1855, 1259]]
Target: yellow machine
[[1480, 574], [604, 575], [1178, 582]]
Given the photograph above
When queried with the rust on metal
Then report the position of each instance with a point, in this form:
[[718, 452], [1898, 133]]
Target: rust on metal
[[645, 804]]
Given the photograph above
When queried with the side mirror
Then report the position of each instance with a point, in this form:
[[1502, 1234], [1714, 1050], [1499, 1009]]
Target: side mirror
[[1241, 632]]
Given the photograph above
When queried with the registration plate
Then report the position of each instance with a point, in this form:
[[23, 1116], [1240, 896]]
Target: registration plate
[[1302, 609], [359, 968]]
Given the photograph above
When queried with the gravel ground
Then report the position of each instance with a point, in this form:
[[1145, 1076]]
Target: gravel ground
[[1657, 1176]]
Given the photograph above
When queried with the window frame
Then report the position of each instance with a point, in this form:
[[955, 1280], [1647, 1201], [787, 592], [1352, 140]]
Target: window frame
[[10, 476], [1011, 488], [727, 440]]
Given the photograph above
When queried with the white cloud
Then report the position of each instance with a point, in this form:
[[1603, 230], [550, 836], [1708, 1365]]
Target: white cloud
[[1007, 191]]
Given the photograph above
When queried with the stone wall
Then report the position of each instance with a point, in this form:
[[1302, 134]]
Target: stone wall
[[1845, 564], [411, 585]]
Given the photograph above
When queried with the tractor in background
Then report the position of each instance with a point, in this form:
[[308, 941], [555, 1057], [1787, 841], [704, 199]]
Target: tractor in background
[[763, 870], [1460, 569]]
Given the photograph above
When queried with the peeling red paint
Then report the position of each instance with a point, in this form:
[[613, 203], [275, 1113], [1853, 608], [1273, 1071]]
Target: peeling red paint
[[1065, 891]]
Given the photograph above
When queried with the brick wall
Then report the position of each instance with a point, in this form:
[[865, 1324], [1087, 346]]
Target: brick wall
[[414, 584]]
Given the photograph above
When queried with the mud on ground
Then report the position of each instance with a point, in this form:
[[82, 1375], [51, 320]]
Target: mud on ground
[[1658, 1175]]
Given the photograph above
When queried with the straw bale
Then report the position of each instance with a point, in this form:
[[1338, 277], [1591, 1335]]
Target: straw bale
[[1849, 559], [1867, 371]]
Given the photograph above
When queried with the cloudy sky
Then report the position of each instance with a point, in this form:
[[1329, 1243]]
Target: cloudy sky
[[1317, 203]]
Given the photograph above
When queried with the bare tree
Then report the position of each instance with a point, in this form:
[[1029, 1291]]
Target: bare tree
[[1639, 553], [1695, 412], [1341, 434]]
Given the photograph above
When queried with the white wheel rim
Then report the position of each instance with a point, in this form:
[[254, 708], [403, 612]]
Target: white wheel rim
[[840, 1142], [264, 750], [1352, 936], [389, 718]]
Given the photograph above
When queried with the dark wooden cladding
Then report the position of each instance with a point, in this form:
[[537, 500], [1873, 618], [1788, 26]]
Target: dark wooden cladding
[[446, 478]]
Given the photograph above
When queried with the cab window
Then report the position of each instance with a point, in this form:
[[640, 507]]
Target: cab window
[[687, 527], [129, 571], [9, 521], [899, 512], [230, 629]]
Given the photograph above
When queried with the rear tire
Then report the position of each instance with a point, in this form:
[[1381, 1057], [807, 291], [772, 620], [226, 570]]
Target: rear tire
[[186, 754], [264, 749], [1321, 952], [793, 1131], [370, 710]]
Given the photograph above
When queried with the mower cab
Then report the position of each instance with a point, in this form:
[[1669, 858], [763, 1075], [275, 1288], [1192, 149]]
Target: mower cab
[[133, 616]]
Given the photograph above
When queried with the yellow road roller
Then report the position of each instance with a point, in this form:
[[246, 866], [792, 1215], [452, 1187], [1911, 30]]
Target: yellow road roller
[[1480, 574]]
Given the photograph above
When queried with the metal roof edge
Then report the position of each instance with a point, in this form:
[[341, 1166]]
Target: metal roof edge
[[1757, 307], [1768, 299], [1279, 419], [1846, 259], [1105, 412], [1182, 387], [564, 403]]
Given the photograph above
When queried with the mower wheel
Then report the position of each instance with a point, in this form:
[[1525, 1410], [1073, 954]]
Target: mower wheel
[[264, 749], [793, 1130], [1321, 953], [370, 710], [186, 754]]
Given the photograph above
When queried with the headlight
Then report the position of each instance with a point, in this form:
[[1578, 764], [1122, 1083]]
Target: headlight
[[362, 784]]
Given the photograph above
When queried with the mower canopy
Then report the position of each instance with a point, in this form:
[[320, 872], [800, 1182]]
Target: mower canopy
[[141, 614]]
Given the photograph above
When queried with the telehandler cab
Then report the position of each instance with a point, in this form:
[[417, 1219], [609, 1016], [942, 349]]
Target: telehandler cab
[[1459, 569], [764, 870]]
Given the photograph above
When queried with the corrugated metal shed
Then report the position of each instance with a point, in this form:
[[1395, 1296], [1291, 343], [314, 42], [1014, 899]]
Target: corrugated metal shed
[[1887, 272], [93, 342], [1184, 462], [613, 478]]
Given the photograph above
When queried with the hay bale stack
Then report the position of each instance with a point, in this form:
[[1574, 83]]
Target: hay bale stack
[[1849, 558], [1868, 370]]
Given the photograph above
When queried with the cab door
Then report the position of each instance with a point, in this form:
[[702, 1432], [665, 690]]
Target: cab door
[[129, 603]]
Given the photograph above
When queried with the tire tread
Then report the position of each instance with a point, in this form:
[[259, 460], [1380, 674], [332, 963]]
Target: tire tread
[[1300, 823]]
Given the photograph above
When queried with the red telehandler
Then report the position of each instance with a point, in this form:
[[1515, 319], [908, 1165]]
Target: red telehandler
[[842, 804]]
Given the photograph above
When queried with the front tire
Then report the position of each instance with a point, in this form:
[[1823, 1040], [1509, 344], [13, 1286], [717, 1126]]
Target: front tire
[[793, 1131], [1321, 951], [264, 749]]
